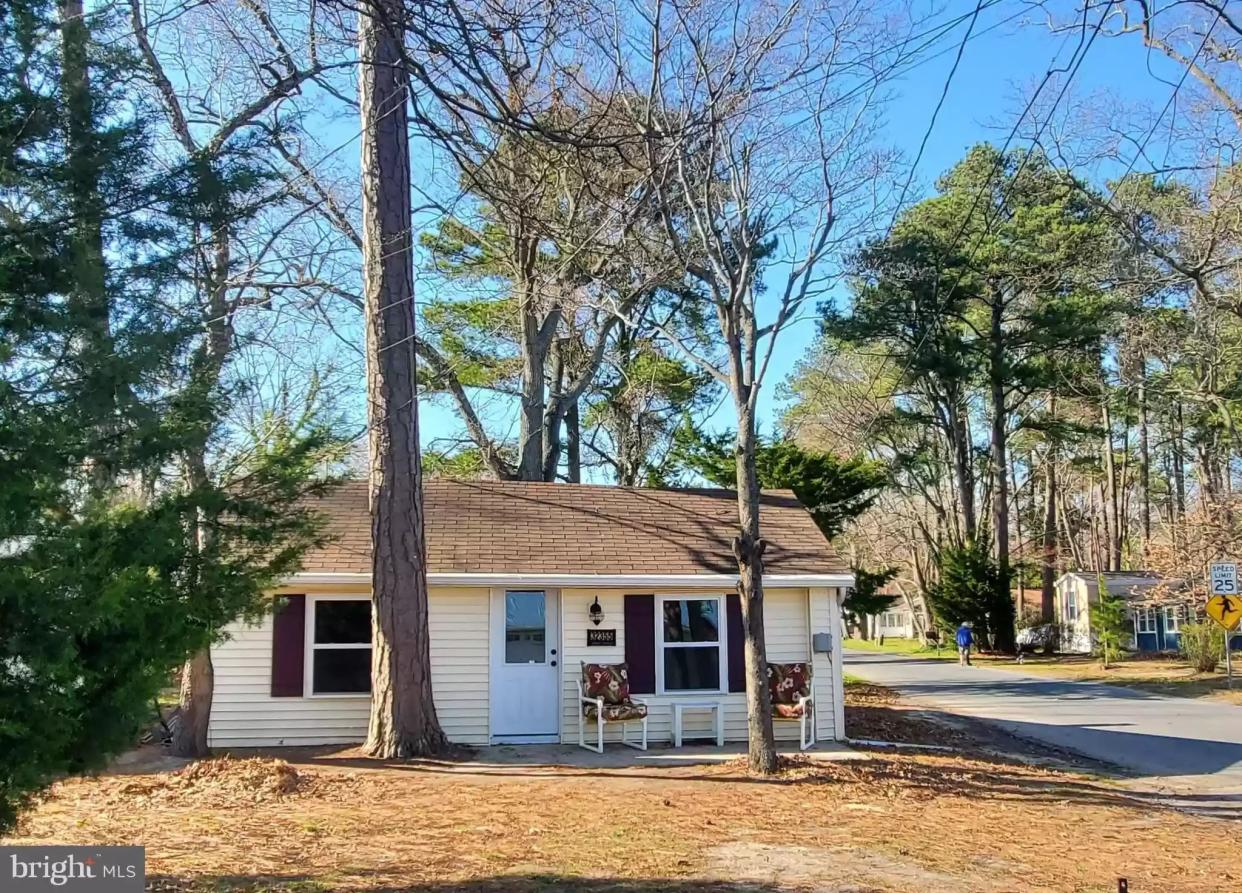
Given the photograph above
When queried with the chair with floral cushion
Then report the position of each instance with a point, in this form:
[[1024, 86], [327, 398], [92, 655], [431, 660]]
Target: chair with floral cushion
[[790, 687], [604, 696]]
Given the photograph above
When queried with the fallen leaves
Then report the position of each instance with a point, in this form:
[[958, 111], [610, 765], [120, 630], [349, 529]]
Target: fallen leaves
[[897, 821]]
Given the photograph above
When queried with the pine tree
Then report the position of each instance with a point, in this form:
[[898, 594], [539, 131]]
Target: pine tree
[[834, 490], [105, 581], [1110, 624], [985, 295], [971, 589]]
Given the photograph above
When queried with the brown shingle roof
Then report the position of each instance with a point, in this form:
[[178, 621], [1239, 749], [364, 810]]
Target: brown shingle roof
[[532, 528]]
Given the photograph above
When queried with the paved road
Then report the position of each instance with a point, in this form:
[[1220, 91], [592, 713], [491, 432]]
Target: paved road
[[1188, 744]]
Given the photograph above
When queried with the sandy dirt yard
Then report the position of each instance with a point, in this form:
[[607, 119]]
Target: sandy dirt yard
[[973, 820]]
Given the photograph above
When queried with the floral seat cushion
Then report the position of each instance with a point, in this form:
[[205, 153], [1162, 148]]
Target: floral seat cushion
[[608, 681], [789, 711], [789, 682], [617, 712]]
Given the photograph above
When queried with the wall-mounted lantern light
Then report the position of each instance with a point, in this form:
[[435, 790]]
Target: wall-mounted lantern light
[[596, 612]]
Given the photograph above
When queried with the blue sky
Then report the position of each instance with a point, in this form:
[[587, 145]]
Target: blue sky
[[1001, 65]]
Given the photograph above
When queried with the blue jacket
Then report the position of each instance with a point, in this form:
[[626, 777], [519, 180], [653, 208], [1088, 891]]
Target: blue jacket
[[964, 637]]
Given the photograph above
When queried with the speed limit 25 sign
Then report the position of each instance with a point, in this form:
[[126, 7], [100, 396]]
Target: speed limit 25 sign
[[1224, 578]]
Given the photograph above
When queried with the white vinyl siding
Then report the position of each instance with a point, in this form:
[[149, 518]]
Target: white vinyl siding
[[788, 639], [460, 662], [1074, 597], [244, 714], [827, 674]]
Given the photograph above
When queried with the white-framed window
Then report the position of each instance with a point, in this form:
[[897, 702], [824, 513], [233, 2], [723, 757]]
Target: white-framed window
[[1144, 620], [690, 644], [892, 620], [338, 646], [1173, 618], [1071, 607]]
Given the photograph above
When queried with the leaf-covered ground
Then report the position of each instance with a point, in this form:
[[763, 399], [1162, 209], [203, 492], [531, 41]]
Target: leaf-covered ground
[[898, 821]]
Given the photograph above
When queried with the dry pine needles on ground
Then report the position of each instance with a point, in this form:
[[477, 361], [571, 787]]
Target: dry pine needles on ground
[[895, 822]]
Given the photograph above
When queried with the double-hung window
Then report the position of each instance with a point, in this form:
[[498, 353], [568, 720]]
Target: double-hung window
[[1144, 620], [1071, 607], [1173, 618], [339, 640], [690, 639]]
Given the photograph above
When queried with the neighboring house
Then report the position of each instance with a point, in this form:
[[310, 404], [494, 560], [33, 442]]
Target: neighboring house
[[1156, 604], [527, 581], [896, 621]]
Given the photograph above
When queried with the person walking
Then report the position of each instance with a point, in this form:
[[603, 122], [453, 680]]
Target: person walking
[[965, 638]]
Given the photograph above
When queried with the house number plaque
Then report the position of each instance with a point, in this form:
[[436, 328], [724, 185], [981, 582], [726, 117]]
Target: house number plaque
[[601, 637]]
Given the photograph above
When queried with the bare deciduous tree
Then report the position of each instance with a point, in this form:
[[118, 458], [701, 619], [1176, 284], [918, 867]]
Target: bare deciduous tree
[[226, 122], [758, 131]]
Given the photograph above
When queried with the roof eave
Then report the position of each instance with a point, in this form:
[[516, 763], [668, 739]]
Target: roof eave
[[681, 581]]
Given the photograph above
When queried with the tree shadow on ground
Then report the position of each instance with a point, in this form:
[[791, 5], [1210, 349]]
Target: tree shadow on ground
[[521, 883], [994, 778]]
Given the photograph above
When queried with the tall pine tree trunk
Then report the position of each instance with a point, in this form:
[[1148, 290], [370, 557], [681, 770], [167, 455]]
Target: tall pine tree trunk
[[89, 301], [963, 472], [403, 715], [1112, 533], [1048, 557], [1144, 460], [1017, 529], [748, 549], [1002, 629], [1179, 474], [573, 443]]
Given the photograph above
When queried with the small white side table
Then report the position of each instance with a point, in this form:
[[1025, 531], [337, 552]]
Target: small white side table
[[679, 708]]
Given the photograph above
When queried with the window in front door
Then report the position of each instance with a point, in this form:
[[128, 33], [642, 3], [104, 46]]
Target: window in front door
[[525, 628]]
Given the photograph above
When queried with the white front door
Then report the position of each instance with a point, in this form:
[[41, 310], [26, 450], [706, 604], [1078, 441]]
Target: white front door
[[525, 684]]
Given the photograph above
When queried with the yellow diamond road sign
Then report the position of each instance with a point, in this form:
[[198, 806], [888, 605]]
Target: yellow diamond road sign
[[1225, 610]]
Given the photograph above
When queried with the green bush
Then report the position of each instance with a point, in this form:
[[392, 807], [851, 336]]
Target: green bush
[[1202, 645], [971, 588], [1110, 624]]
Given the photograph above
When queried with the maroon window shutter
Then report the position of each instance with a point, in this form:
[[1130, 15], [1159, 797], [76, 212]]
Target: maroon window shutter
[[736, 638], [289, 647], [640, 642]]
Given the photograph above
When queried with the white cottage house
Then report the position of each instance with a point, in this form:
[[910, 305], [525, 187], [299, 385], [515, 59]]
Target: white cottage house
[[527, 583]]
